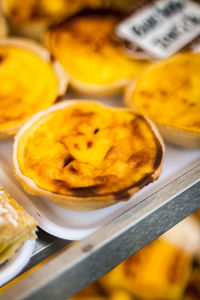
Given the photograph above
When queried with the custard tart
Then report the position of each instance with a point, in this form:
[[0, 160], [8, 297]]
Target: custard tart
[[30, 18], [29, 81], [84, 155], [169, 94], [91, 53], [158, 271], [16, 226]]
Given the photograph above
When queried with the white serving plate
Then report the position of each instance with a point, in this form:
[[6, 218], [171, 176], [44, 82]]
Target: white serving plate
[[14, 266], [74, 225]]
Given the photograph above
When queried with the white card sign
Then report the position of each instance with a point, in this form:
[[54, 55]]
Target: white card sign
[[163, 27]]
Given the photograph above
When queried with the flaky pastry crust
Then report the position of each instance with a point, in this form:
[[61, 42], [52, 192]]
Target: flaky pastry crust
[[16, 226]]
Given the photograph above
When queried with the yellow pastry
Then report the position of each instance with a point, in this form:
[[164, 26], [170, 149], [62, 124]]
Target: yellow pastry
[[84, 155], [31, 17], [158, 271], [16, 226], [169, 94], [29, 81], [93, 56]]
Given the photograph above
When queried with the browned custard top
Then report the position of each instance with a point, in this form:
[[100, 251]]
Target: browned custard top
[[87, 149]]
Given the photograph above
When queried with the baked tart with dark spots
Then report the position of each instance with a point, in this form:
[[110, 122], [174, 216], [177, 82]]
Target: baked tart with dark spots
[[16, 226], [91, 53], [29, 81], [85, 156], [169, 94]]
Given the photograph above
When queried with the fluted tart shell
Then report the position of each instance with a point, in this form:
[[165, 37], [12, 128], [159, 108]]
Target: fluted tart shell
[[83, 155], [29, 81], [91, 53], [169, 94]]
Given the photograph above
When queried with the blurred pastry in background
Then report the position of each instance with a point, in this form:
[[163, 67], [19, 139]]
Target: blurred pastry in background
[[29, 81], [84, 155], [3, 26], [197, 215], [16, 226], [192, 291], [156, 272], [186, 236], [96, 292], [167, 268], [169, 94], [31, 17], [91, 53]]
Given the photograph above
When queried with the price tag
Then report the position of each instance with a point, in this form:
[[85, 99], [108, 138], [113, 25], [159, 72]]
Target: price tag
[[163, 27]]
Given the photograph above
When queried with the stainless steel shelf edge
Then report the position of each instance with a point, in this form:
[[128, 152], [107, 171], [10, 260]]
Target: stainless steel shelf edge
[[86, 261]]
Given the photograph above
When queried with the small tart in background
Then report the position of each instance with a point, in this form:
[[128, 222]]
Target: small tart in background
[[85, 156], [169, 94], [139, 273], [30, 18], [29, 81], [91, 53], [16, 226]]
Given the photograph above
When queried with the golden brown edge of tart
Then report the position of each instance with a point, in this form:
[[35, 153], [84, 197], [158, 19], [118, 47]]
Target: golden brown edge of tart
[[81, 202], [173, 135], [44, 54], [3, 26], [36, 28], [98, 90]]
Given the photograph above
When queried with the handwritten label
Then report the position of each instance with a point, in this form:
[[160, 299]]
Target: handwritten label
[[162, 28]]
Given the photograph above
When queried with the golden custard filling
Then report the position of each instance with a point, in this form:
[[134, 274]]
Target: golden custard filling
[[169, 92], [88, 49], [87, 149], [27, 85]]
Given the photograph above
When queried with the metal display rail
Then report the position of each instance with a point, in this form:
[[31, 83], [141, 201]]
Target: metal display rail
[[63, 273]]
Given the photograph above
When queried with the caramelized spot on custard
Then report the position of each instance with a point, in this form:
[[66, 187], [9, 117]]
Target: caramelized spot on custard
[[68, 160], [73, 170], [96, 130], [123, 155], [2, 58], [89, 144], [158, 157]]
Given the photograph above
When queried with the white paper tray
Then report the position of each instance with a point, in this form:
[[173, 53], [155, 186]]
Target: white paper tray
[[13, 267], [73, 225]]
